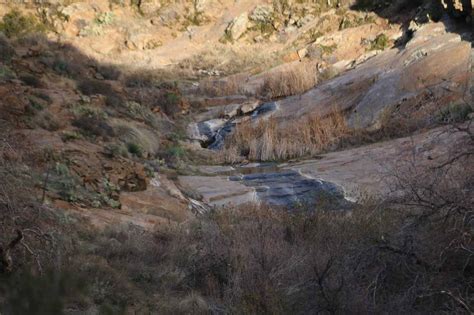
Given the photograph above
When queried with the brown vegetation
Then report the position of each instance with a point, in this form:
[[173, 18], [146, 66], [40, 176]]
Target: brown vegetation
[[411, 254], [273, 139], [270, 140], [293, 80], [232, 85]]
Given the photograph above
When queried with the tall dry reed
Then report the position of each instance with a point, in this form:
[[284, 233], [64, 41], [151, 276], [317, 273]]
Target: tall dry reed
[[270, 140]]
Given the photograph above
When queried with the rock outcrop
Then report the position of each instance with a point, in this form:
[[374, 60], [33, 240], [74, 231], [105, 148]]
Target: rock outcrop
[[394, 77]]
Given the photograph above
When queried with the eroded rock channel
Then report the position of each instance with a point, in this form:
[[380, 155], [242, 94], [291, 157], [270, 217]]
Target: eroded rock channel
[[265, 183], [211, 132], [261, 183], [395, 81]]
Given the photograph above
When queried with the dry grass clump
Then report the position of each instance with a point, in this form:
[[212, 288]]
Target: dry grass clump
[[273, 139], [217, 61], [231, 85], [291, 80], [270, 140], [230, 60]]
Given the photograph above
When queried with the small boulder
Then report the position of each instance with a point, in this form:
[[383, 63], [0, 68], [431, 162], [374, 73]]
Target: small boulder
[[249, 107], [302, 53], [150, 7]]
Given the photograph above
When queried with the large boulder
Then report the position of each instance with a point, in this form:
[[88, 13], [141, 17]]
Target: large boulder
[[237, 27]]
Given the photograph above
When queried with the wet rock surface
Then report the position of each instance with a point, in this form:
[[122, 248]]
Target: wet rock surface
[[211, 133], [290, 189], [267, 184]]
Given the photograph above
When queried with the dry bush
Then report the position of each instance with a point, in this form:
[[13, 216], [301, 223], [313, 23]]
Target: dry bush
[[292, 80], [33, 278], [410, 254], [273, 139], [92, 87], [269, 140], [231, 85], [256, 260]]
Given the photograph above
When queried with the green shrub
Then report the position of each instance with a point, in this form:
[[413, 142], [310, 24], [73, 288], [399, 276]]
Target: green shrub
[[66, 68], [47, 121], [116, 150], [15, 24], [141, 80], [135, 149], [6, 50], [138, 111], [87, 110], [27, 293], [104, 18], [380, 43], [176, 151], [92, 121], [328, 50], [43, 96], [93, 126], [454, 113], [91, 30], [170, 103], [70, 136], [36, 104], [6, 73], [65, 184], [97, 27], [120, 3]]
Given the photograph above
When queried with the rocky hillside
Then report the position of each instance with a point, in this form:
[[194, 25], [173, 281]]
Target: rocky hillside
[[175, 153]]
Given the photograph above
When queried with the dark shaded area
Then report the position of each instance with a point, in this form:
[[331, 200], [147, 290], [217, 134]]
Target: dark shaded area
[[421, 11]]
